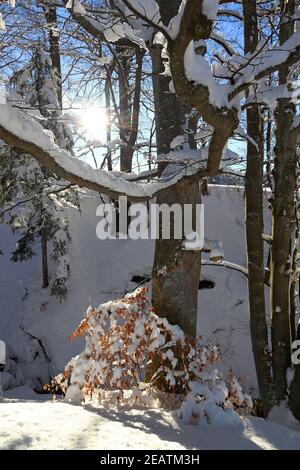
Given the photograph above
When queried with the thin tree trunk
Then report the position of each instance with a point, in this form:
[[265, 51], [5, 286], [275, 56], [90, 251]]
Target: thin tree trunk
[[255, 229], [44, 246], [108, 124], [269, 149], [51, 18], [125, 111], [294, 400], [129, 111], [136, 103], [283, 221], [293, 289]]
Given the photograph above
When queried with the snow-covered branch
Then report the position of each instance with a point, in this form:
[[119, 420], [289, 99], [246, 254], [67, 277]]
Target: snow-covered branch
[[267, 62], [226, 264], [21, 131], [149, 12]]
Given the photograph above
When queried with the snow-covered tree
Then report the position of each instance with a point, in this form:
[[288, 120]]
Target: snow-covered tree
[[33, 200], [199, 68]]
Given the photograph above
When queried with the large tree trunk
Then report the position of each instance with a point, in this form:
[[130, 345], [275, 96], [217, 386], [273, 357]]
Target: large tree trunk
[[175, 290], [255, 228], [283, 222], [174, 294]]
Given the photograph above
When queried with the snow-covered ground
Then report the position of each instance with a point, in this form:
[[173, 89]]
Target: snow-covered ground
[[35, 422], [36, 328]]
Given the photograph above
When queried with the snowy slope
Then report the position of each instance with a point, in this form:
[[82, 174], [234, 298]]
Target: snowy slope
[[101, 270]]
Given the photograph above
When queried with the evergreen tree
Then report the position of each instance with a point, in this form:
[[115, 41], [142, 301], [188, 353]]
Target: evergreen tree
[[32, 200]]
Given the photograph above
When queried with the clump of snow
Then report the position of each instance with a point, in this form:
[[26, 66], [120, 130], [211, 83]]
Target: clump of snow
[[76, 7], [174, 26], [210, 8], [113, 32], [215, 248], [177, 141], [148, 9], [198, 70], [193, 242], [214, 401], [162, 271], [207, 412], [2, 23], [74, 395]]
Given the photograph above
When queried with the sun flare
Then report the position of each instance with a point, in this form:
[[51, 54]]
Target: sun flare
[[93, 121]]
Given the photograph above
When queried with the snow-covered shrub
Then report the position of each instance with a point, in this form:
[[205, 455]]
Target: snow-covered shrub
[[124, 338], [213, 400]]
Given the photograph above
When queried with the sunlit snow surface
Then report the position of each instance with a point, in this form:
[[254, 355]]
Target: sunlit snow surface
[[34, 422]]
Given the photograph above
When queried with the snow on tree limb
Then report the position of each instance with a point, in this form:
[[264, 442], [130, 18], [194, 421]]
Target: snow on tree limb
[[226, 264], [110, 32], [149, 12], [90, 24], [21, 131], [218, 104], [196, 26], [267, 62]]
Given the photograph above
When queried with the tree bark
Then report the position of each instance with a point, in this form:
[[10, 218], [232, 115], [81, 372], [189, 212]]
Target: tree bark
[[283, 221], [44, 245], [51, 18], [174, 294], [108, 125], [295, 280], [255, 228], [129, 105], [125, 110]]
